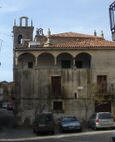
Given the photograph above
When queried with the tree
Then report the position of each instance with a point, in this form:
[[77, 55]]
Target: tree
[[93, 95]]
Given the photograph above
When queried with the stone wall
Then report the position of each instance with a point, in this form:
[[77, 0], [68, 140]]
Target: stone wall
[[35, 89], [34, 85]]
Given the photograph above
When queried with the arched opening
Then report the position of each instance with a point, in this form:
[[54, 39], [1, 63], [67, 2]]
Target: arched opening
[[24, 21], [45, 59], [19, 39], [83, 60], [26, 59], [65, 60]]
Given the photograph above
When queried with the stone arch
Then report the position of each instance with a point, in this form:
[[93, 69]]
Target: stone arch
[[65, 60], [83, 60], [45, 59], [26, 59], [23, 21]]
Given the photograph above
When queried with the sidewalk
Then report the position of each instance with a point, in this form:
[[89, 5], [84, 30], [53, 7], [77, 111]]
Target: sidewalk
[[13, 133]]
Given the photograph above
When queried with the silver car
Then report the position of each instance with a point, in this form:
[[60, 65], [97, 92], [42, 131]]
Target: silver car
[[101, 120]]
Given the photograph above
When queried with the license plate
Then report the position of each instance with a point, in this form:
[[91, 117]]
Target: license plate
[[71, 127]]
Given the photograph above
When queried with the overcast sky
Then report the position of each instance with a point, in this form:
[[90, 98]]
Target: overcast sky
[[83, 16]]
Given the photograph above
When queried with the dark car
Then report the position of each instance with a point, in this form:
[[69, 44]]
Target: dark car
[[10, 106], [113, 136], [70, 123], [101, 120], [44, 123]]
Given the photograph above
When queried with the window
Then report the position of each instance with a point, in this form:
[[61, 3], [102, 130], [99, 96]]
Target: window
[[83, 60], [57, 106], [30, 64], [79, 64], [103, 106], [102, 83], [66, 64], [56, 86], [19, 39]]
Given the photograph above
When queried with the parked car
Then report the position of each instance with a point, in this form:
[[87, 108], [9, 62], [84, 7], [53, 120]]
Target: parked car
[[4, 105], [101, 120], [70, 123], [10, 106], [44, 122]]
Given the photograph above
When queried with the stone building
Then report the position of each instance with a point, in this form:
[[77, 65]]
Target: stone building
[[7, 91], [58, 72]]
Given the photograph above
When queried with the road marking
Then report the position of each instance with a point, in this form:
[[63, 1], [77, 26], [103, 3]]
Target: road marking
[[59, 136]]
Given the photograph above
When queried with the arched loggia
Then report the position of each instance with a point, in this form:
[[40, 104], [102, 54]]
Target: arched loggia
[[83, 60], [45, 59], [65, 60], [26, 59]]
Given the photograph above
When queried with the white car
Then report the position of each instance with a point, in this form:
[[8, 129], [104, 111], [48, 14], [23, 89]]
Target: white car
[[4, 105], [101, 120]]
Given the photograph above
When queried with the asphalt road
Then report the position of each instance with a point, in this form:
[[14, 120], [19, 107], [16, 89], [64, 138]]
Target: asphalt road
[[90, 136]]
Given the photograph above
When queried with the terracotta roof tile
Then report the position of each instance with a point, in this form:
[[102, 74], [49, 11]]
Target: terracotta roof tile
[[73, 34], [82, 44], [77, 40]]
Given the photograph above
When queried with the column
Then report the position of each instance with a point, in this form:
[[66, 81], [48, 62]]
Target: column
[[16, 61], [36, 61], [74, 63], [55, 61]]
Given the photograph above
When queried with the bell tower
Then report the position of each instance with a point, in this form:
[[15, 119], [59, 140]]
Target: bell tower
[[22, 31]]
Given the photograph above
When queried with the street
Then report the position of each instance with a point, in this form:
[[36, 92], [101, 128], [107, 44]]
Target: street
[[27, 135]]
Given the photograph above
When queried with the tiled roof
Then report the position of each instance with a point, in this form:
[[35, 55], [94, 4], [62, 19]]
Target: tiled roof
[[73, 40], [74, 35], [82, 44], [77, 40]]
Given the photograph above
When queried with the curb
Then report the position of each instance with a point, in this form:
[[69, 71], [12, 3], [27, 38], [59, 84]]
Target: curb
[[55, 136]]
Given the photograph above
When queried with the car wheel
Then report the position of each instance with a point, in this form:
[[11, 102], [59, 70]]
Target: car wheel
[[61, 130], [95, 128], [113, 139], [80, 130], [34, 130], [52, 132]]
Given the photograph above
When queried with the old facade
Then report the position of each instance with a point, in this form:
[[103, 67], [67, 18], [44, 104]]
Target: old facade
[[58, 72]]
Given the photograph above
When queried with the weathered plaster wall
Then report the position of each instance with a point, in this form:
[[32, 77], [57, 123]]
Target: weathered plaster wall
[[36, 83]]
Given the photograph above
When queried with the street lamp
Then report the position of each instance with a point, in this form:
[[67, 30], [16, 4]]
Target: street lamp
[[76, 93]]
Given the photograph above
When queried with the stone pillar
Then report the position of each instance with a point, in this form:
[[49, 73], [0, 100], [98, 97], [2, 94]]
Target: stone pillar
[[16, 61], [36, 61], [74, 63], [55, 61]]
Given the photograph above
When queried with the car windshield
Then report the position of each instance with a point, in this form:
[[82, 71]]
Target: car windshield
[[44, 119], [105, 116], [69, 119]]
